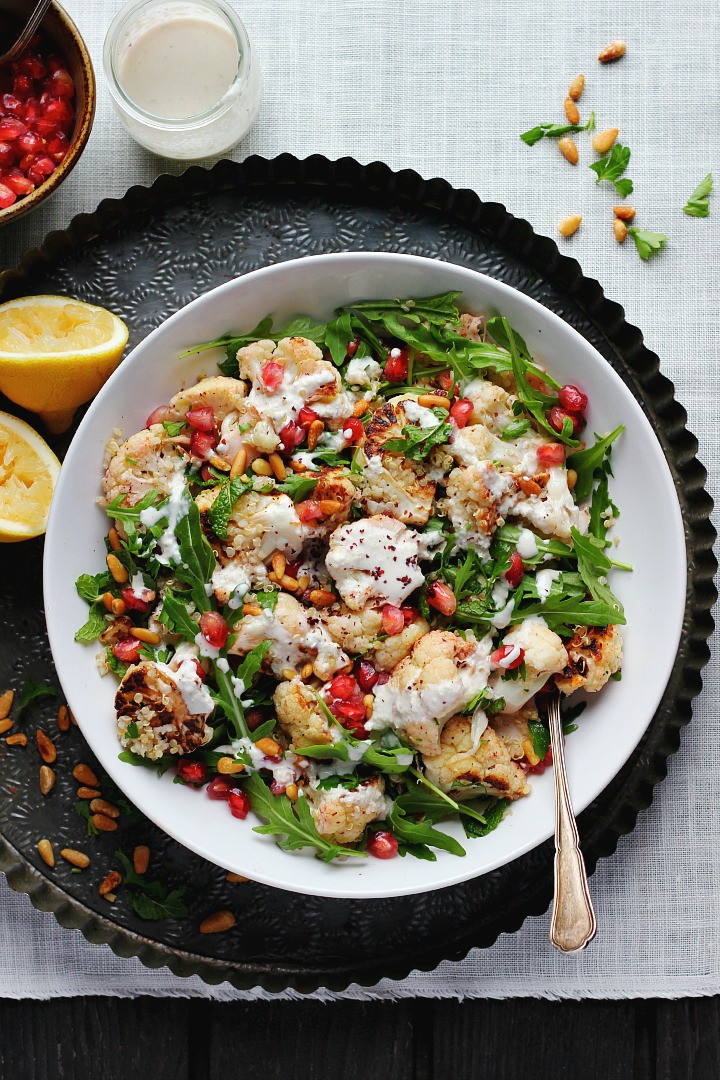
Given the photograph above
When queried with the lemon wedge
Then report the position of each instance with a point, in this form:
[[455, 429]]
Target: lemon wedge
[[28, 473], [56, 353]]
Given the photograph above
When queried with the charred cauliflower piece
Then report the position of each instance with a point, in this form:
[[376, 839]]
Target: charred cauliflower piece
[[390, 483], [594, 654], [465, 771], [147, 461], [168, 708], [300, 716], [218, 392], [341, 815], [545, 655], [335, 493], [477, 499], [394, 649], [296, 636]]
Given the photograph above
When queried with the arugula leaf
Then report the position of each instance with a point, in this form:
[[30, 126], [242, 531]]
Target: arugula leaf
[[417, 442], [563, 615], [493, 817], [175, 615], [83, 809], [534, 402], [231, 341], [226, 695], [510, 534], [436, 310], [698, 204], [593, 565], [421, 832], [485, 701], [586, 461], [95, 625], [424, 798], [350, 783], [514, 430], [647, 243], [496, 329], [220, 511], [599, 505], [32, 690], [291, 821], [151, 900], [301, 326], [612, 167], [338, 335], [539, 737], [252, 663], [197, 561], [554, 131], [173, 427], [570, 715]]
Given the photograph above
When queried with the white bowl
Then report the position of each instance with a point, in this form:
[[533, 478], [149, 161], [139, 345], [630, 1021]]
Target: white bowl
[[653, 594]]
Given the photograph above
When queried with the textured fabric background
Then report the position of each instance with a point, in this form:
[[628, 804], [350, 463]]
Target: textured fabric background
[[445, 87]]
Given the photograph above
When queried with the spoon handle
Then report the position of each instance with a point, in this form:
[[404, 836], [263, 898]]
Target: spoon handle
[[573, 924], [27, 32]]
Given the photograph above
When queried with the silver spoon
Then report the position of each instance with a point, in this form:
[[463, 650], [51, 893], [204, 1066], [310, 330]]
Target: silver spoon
[[573, 924], [27, 32]]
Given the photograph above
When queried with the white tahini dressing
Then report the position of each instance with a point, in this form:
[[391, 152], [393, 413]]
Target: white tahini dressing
[[526, 546], [175, 509], [195, 694], [544, 580], [418, 414]]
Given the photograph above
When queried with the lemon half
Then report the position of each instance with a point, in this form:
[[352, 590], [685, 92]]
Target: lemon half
[[56, 353], [28, 474]]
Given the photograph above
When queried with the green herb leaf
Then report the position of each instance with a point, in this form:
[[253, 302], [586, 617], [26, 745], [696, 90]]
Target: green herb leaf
[[535, 402], [421, 832], [648, 243], [221, 509], [83, 809], [95, 625], [92, 586], [298, 485], [151, 900], [293, 822], [267, 600], [173, 427], [175, 615], [563, 615], [554, 131], [436, 310], [698, 204], [514, 430], [612, 167], [417, 442], [32, 690], [594, 565], [585, 462], [539, 737], [338, 335], [232, 342], [493, 816], [197, 561]]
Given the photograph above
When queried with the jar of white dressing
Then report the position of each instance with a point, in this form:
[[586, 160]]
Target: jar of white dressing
[[182, 76]]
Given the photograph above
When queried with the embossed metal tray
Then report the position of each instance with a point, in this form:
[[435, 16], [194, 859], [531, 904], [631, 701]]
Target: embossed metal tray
[[144, 256]]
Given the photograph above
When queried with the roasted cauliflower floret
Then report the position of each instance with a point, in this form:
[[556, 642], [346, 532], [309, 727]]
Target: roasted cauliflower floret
[[341, 815], [442, 674], [258, 526], [477, 499], [354, 631], [466, 771], [300, 376], [549, 505], [545, 655], [375, 558], [218, 392], [168, 709], [334, 493], [514, 731], [147, 461], [594, 654], [390, 484], [393, 649], [300, 716], [472, 327], [296, 636], [492, 406]]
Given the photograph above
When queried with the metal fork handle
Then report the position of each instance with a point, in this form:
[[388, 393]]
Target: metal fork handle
[[573, 924], [27, 32]]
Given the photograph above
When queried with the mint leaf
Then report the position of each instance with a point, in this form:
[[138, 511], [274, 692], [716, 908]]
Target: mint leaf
[[90, 587], [95, 625], [83, 809], [698, 204], [32, 690], [267, 600], [539, 737], [493, 817], [151, 900], [647, 243], [220, 511]]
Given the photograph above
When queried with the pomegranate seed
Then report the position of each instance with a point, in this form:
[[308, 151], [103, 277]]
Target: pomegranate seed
[[31, 142], [59, 111], [410, 613], [382, 678], [205, 473], [11, 128], [239, 803], [158, 415], [201, 419], [343, 687], [382, 845], [516, 573], [7, 154], [32, 66], [61, 83], [18, 183], [446, 381], [536, 770], [292, 569], [393, 620], [42, 167], [45, 126], [22, 87], [58, 146], [192, 772], [349, 710], [219, 788], [366, 675], [441, 597], [31, 112], [214, 629], [307, 416], [352, 348], [572, 399], [26, 162], [557, 416], [396, 365], [254, 718], [291, 436], [309, 511], [200, 671], [138, 603], [272, 375], [11, 103], [202, 443], [7, 197], [551, 454], [353, 430], [508, 657], [277, 788], [128, 650], [461, 412]]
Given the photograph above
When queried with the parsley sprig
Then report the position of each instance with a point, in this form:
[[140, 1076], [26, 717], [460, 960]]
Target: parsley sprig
[[647, 243], [612, 167], [554, 131], [698, 204]]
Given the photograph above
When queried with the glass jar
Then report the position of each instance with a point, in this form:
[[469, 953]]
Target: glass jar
[[182, 76]]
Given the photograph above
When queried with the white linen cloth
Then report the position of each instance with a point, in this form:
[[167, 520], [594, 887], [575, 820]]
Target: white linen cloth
[[445, 87]]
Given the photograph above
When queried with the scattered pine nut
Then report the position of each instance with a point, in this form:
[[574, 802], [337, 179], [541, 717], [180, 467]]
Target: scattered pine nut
[[118, 606], [576, 87], [5, 725], [46, 747], [314, 432], [360, 408], [116, 568], [88, 793], [430, 401], [268, 746], [114, 539], [571, 111], [46, 852], [620, 230], [604, 140], [570, 225], [19, 739], [109, 883], [252, 609], [63, 718], [625, 213], [611, 52], [232, 876], [75, 858], [239, 463], [261, 467], [328, 507], [6, 701], [47, 779], [279, 562], [101, 806], [571, 479], [217, 923], [303, 582], [321, 597], [141, 858], [84, 775], [289, 583], [278, 466], [219, 463], [110, 897], [292, 792], [306, 671], [568, 149], [289, 674], [149, 636], [103, 823], [227, 766], [71, 714]]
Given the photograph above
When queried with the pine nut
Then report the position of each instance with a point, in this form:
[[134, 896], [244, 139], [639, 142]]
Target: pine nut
[[239, 463], [604, 140], [369, 699], [226, 766], [303, 582], [47, 779], [46, 852], [571, 479], [148, 636], [289, 674], [261, 467], [114, 539], [369, 710], [278, 466], [571, 111], [110, 897], [141, 858], [279, 562], [611, 52], [620, 230], [20, 739], [5, 725], [108, 599], [289, 583], [116, 568], [314, 432], [103, 823], [6, 701], [292, 792], [88, 793], [568, 149], [625, 213], [430, 401], [219, 463], [46, 748], [75, 858], [101, 806], [570, 225], [328, 507], [84, 775], [232, 876], [252, 609], [528, 487], [217, 923], [306, 671], [297, 466], [118, 606], [322, 597], [360, 408], [63, 718], [110, 882], [576, 87], [268, 746], [73, 721]]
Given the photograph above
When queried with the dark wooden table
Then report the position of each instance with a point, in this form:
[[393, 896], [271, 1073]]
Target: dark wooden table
[[163, 1039]]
